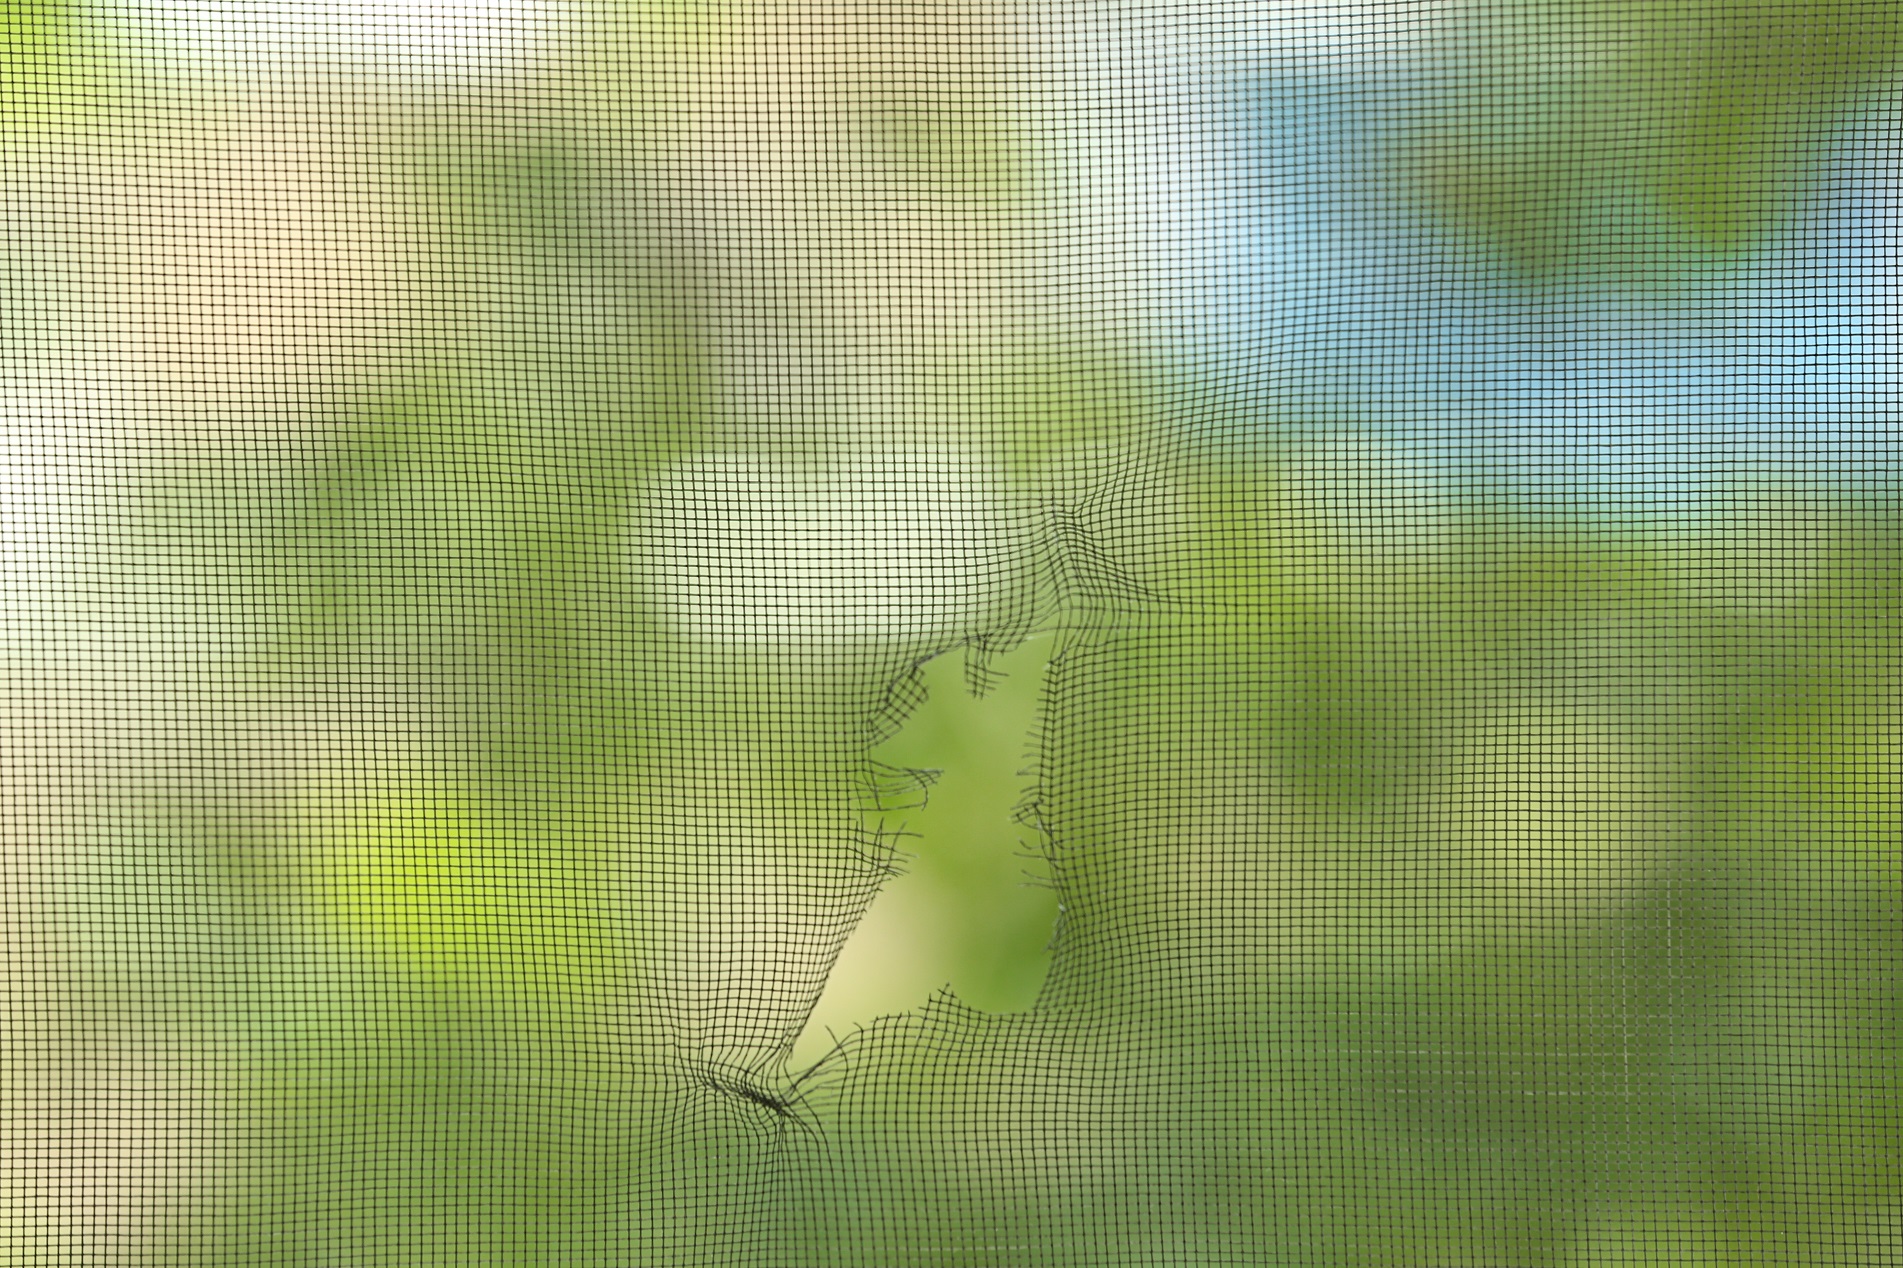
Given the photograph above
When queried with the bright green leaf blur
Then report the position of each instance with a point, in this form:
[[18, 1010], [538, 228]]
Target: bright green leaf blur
[[424, 877], [1411, 868], [29, 29], [437, 887]]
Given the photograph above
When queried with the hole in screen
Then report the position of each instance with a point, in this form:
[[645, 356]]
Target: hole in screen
[[973, 910]]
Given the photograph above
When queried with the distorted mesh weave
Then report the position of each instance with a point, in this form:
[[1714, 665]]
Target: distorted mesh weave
[[1018, 632]]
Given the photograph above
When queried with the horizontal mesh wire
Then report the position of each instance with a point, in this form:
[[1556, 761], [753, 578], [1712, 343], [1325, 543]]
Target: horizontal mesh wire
[[1039, 632]]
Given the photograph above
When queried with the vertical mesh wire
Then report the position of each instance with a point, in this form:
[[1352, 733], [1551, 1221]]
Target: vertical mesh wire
[[1000, 632]]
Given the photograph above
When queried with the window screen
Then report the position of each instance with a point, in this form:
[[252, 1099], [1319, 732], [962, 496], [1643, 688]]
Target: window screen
[[969, 633]]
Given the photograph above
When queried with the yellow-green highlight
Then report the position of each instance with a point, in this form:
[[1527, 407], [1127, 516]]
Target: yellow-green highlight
[[433, 883]]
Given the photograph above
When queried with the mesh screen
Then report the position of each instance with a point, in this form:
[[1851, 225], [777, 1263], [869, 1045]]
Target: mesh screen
[[951, 632]]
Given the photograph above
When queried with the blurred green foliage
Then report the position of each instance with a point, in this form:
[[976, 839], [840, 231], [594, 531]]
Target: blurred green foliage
[[1296, 1015], [1634, 135], [975, 899], [30, 26], [1509, 894], [1340, 1023], [1063, 410], [51, 67], [948, 141]]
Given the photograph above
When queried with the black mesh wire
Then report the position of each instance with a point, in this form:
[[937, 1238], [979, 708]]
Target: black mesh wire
[[1040, 632]]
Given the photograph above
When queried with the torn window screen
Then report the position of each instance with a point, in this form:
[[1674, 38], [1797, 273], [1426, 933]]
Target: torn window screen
[[505, 508]]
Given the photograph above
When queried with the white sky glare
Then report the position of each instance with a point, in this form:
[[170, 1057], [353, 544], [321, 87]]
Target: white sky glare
[[1341, 29]]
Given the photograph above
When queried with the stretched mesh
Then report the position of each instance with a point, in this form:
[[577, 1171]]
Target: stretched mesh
[[1013, 632]]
